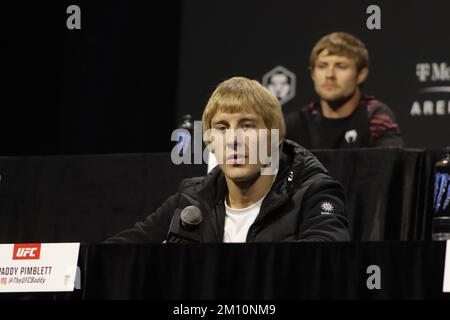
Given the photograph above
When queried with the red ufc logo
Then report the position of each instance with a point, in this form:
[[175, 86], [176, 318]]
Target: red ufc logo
[[27, 251]]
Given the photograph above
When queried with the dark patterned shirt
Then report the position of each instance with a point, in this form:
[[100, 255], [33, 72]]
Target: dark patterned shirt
[[372, 124]]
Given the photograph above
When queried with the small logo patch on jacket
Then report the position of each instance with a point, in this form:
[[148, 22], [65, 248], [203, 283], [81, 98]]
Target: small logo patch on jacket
[[327, 207]]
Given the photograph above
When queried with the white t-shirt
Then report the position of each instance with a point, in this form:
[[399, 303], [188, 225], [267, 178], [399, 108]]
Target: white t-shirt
[[238, 221]]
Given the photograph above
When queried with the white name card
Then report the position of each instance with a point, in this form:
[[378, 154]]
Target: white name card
[[446, 287], [38, 267]]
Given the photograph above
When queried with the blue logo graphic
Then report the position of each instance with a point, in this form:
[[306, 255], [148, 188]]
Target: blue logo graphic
[[441, 191]]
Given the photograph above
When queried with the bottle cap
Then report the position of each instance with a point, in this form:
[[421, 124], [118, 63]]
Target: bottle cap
[[187, 122], [446, 150]]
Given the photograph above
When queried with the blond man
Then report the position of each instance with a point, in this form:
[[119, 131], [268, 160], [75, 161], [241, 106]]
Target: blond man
[[344, 117], [239, 201]]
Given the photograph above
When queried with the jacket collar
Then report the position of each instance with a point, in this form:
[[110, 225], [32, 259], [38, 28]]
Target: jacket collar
[[296, 165]]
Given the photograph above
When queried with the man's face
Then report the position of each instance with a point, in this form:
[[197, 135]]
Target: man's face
[[233, 154], [336, 77]]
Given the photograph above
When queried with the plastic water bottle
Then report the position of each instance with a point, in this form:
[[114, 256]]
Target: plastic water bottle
[[441, 198]]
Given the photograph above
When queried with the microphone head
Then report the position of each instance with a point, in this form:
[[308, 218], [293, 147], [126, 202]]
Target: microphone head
[[191, 217]]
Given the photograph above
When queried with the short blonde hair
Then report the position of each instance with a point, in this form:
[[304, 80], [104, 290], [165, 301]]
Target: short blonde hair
[[341, 43], [239, 94]]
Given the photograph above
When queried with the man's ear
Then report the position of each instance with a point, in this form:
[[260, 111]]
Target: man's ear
[[311, 73], [207, 140], [210, 146], [362, 76], [280, 144]]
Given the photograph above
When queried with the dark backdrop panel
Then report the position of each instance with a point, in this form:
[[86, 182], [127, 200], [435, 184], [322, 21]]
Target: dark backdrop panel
[[114, 85], [389, 192], [107, 88], [250, 38], [90, 198], [83, 198]]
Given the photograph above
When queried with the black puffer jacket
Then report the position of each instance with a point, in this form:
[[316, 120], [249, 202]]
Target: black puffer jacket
[[303, 204]]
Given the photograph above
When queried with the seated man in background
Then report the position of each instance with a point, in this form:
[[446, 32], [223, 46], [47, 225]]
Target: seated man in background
[[239, 201], [344, 117]]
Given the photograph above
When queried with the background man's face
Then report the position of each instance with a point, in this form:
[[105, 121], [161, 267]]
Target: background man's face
[[233, 157], [335, 77]]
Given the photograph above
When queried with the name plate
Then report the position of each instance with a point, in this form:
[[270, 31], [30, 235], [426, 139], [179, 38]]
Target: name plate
[[446, 287], [38, 267]]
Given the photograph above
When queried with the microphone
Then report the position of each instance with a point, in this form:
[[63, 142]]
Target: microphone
[[184, 226]]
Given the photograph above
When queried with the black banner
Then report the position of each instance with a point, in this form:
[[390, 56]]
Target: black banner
[[409, 54]]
